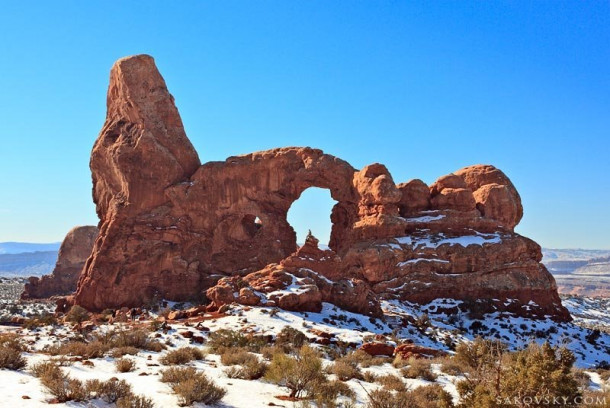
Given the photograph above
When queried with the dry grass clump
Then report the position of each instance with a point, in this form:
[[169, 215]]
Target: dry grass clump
[[10, 352], [391, 382], [44, 368], [449, 365], [365, 360], [44, 319], [125, 365], [419, 368], [369, 377], [110, 391], [60, 385], [174, 375], [94, 349], [327, 392], [124, 350], [64, 388], [244, 365], [345, 370], [192, 386], [432, 396], [182, 355], [134, 401], [269, 351]]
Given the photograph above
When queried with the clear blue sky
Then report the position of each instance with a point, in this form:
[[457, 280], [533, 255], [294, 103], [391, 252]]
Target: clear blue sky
[[423, 87]]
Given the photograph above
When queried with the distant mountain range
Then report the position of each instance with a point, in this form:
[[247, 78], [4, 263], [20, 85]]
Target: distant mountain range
[[25, 247], [23, 259], [579, 271]]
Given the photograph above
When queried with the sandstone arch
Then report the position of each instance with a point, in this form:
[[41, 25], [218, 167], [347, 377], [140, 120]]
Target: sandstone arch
[[172, 228]]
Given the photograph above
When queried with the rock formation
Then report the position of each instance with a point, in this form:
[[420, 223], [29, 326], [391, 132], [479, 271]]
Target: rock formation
[[73, 253], [172, 228]]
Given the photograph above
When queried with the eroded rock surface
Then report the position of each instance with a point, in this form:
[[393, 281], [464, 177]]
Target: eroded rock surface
[[172, 228], [73, 253]]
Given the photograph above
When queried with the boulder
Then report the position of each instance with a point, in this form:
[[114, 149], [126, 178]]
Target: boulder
[[409, 350], [378, 349]]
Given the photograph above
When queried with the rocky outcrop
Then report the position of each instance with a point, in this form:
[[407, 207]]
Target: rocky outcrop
[[73, 253], [301, 282], [172, 228]]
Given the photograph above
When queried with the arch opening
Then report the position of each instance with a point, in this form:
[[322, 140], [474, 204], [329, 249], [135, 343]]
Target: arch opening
[[251, 224], [312, 211]]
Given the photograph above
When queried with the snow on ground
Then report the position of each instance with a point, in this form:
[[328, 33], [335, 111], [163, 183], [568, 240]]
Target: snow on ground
[[442, 329]]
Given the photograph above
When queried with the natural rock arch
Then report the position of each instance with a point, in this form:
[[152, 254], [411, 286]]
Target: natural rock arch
[[173, 228]]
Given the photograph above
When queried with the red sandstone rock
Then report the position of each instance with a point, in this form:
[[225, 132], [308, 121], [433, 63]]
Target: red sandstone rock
[[407, 351], [73, 253], [378, 349], [173, 229], [495, 194], [415, 197]]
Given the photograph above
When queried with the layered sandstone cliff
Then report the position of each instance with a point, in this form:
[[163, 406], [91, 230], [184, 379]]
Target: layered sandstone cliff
[[73, 253], [172, 228]]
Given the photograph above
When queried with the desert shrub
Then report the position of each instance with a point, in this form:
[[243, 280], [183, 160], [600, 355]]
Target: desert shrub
[[182, 355], [400, 362], [223, 339], [198, 389], [177, 374], [327, 393], [235, 356], [269, 351], [124, 365], [44, 319], [45, 368], [581, 378], [110, 391], [419, 368], [123, 351], [138, 339], [11, 358], [94, 349], [450, 366], [363, 359], [597, 399], [494, 374], [432, 396], [369, 377], [383, 398], [391, 382], [134, 401], [77, 314], [60, 385], [345, 369], [11, 340], [299, 373], [192, 386], [290, 338], [250, 367]]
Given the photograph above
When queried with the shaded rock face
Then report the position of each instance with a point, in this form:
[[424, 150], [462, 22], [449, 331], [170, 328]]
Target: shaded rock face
[[73, 253], [172, 228]]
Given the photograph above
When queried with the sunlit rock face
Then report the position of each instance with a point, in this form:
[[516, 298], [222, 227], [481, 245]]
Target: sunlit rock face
[[173, 228], [73, 253]]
